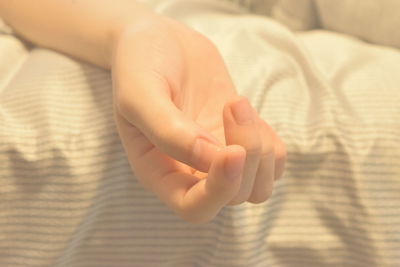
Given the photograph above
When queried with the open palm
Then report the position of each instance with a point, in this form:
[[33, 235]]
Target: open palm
[[189, 137]]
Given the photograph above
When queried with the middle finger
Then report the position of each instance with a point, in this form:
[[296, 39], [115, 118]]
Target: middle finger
[[241, 128]]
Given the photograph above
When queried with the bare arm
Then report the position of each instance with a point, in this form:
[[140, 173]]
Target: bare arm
[[83, 29]]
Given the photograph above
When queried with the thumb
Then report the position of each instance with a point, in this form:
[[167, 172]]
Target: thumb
[[152, 111]]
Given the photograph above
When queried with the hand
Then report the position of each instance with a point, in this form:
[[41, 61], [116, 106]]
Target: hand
[[188, 136]]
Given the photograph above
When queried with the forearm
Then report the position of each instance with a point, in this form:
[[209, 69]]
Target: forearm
[[85, 29]]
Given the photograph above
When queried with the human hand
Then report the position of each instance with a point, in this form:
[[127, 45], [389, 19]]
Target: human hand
[[188, 136]]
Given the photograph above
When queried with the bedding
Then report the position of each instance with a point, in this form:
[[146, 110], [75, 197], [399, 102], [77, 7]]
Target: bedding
[[370, 20], [69, 198]]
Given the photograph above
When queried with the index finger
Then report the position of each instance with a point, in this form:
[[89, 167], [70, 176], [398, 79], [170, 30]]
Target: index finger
[[199, 200]]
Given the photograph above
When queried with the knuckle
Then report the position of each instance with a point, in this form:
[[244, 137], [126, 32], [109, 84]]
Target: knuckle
[[261, 196], [280, 151], [239, 199], [122, 104], [281, 154], [126, 108], [173, 129], [268, 151], [253, 145], [253, 150]]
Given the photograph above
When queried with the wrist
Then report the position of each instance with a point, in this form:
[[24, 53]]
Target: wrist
[[125, 26]]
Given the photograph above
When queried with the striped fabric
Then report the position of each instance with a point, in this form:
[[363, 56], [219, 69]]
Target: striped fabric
[[69, 199]]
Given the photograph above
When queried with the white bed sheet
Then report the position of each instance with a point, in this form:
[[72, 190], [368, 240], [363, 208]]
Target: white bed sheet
[[68, 198]]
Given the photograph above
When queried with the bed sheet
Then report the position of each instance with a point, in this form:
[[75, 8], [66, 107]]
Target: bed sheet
[[69, 198]]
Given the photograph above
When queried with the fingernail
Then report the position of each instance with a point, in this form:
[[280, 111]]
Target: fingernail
[[234, 166], [242, 112], [204, 153]]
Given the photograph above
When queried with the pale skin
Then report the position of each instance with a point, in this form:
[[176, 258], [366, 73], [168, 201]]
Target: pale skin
[[189, 137]]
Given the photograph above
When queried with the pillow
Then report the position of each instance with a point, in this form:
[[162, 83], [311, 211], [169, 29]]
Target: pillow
[[373, 21], [370, 20], [298, 15]]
